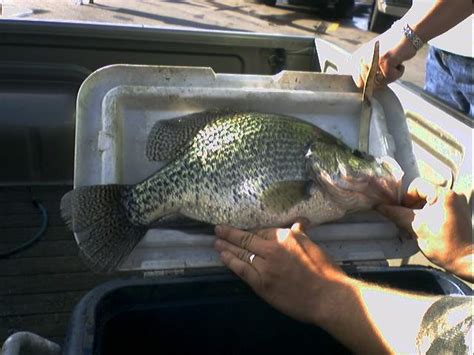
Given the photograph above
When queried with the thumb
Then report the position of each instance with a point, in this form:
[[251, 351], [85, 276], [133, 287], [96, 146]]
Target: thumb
[[401, 216]]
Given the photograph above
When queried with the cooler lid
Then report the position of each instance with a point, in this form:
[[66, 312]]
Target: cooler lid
[[118, 105]]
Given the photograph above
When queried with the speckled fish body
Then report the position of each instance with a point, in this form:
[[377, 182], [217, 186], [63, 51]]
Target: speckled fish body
[[244, 169]]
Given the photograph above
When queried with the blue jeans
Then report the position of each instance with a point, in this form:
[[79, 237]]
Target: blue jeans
[[450, 77]]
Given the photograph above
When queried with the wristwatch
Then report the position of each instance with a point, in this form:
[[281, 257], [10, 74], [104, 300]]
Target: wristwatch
[[412, 37]]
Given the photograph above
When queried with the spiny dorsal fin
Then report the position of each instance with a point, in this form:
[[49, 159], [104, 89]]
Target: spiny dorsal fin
[[168, 137], [283, 195]]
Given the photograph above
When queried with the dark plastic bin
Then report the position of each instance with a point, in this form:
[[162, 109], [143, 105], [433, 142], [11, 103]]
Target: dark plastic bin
[[213, 315]]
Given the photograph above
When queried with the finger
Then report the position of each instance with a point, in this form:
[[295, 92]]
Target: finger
[[456, 202], [244, 239], [298, 228], [264, 233], [300, 224], [394, 62], [391, 74], [391, 59], [242, 254], [241, 268], [391, 67], [401, 216], [420, 190]]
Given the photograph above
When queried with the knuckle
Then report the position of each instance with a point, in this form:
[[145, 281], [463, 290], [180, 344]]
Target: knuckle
[[246, 240], [273, 250], [265, 234], [242, 255]]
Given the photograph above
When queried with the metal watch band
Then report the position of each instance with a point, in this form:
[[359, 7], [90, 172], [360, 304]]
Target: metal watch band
[[412, 37]]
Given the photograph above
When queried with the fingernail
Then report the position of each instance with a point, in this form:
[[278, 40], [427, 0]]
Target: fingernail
[[218, 244], [218, 229]]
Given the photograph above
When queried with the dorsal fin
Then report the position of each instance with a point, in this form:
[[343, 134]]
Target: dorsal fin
[[168, 137]]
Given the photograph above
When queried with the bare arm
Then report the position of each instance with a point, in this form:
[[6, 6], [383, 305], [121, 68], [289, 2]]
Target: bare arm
[[292, 274], [407, 322], [434, 21], [444, 15], [395, 316]]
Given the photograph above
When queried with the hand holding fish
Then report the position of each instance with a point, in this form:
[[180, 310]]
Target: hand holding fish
[[286, 261], [442, 226], [291, 273]]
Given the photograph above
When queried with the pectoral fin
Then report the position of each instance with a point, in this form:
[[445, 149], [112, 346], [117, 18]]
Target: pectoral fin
[[283, 195]]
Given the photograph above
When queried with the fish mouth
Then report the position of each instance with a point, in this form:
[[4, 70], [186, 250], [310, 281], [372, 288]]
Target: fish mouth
[[367, 191], [383, 186]]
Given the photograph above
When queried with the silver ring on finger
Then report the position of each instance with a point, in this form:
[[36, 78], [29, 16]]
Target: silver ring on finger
[[251, 257], [244, 255]]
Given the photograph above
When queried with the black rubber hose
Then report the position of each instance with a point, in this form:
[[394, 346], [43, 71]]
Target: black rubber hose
[[35, 238]]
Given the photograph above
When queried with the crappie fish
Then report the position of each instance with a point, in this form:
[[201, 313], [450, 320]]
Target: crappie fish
[[245, 169]]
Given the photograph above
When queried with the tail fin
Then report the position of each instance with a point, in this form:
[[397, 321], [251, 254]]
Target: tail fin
[[104, 233]]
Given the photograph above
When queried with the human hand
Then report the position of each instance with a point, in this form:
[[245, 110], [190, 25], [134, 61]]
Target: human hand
[[390, 63], [442, 227], [288, 270], [296, 277]]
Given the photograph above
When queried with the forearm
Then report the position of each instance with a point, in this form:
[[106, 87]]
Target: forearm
[[427, 22], [444, 15], [374, 320]]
